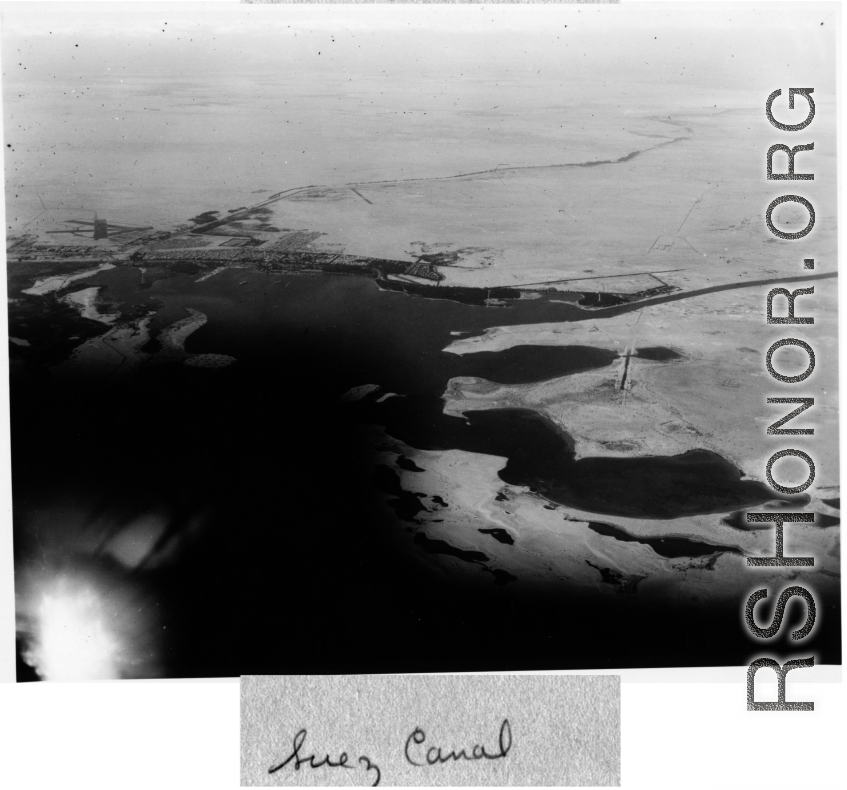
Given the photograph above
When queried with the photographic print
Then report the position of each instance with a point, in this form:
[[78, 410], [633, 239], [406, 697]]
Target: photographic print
[[421, 339]]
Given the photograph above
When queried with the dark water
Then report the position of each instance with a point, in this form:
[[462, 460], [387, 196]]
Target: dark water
[[658, 353], [434, 546], [301, 567], [332, 333], [408, 464], [499, 534], [361, 335], [601, 300], [406, 504], [671, 547]]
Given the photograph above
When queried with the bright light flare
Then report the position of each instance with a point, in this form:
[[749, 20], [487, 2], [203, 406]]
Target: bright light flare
[[85, 620], [73, 640], [87, 596]]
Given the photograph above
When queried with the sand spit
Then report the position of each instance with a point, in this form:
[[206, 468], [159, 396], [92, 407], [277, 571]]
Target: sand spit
[[211, 273], [86, 302], [357, 393], [554, 544], [59, 281], [172, 340], [173, 337], [388, 395], [119, 351]]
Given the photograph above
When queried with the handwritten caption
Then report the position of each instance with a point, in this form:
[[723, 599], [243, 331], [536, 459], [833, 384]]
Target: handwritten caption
[[416, 751]]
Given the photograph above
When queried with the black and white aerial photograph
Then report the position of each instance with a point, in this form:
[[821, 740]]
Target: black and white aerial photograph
[[389, 339]]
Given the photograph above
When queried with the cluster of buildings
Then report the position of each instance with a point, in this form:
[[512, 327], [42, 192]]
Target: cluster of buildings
[[33, 252], [273, 259], [423, 269]]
